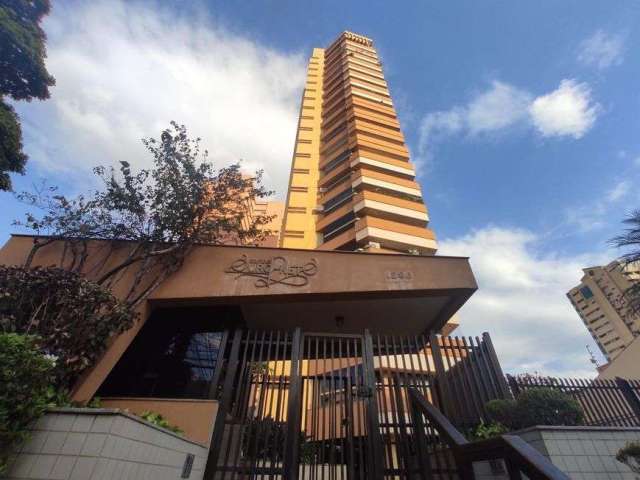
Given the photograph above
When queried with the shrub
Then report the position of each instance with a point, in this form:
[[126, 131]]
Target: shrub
[[536, 406], [73, 317], [160, 421], [630, 456], [548, 406], [25, 378], [488, 430]]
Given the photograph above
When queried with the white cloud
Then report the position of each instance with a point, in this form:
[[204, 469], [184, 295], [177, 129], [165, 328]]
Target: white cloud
[[521, 301], [619, 191], [124, 70], [499, 107], [602, 50], [594, 215], [567, 111]]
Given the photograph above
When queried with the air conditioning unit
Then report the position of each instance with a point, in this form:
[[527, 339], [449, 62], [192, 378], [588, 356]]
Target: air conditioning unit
[[318, 209], [322, 189]]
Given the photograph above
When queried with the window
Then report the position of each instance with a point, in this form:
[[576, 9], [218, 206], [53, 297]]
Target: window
[[586, 292], [173, 356], [337, 200]]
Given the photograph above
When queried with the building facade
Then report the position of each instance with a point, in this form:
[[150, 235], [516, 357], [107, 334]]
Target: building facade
[[599, 301], [352, 185]]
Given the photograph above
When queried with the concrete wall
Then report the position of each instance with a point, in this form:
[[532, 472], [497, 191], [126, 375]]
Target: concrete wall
[[584, 453], [96, 444], [194, 417]]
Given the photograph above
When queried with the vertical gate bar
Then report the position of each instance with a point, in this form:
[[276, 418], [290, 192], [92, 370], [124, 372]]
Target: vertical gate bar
[[257, 405], [447, 405], [242, 404], [372, 410], [407, 374], [475, 354], [597, 393], [349, 399], [342, 409], [487, 371], [269, 394], [513, 383], [630, 396], [292, 438], [323, 396], [421, 442], [467, 374], [580, 395], [359, 416], [333, 411], [218, 426], [215, 378], [454, 372], [504, 391], [392, 415], [617, 403], [384, 412]]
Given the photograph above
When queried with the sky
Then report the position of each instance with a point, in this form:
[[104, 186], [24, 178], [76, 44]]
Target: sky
[[522, 119]]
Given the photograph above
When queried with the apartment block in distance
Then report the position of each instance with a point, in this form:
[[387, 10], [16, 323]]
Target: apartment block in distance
[[599, 302], [352, 185]]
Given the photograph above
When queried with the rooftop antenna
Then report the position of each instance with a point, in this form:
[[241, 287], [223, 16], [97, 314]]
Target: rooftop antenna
[[592, 357]]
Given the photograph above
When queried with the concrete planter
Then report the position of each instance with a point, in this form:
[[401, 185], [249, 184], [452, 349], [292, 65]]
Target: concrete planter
[[585, 453], [87, 443]]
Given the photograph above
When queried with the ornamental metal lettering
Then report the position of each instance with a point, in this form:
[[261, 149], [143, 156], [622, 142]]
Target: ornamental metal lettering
[[271, 271]]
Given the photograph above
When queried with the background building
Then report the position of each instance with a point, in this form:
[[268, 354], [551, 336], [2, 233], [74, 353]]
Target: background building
[[352, 185], [599, 302]]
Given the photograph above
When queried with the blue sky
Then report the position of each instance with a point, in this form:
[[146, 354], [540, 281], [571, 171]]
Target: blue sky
[[522, 118]]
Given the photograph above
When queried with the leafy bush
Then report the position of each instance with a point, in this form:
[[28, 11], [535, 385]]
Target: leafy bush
[[25, 378], [73, 317], [160, 421], [488, 430], [630, 456], [536, 406]]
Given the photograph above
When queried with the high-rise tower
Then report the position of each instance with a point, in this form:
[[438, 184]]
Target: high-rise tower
[[352, 185]]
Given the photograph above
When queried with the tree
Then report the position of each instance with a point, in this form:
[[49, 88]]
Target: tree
[[72, 317], [630, 239], [23, 75], [156, 216]]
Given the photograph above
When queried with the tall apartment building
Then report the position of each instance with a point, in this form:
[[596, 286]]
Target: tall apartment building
[[352, 185], [599, 302]]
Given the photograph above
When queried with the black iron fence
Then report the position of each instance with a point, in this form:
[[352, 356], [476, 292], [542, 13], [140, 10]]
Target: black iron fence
[[313, 405], [604, 402]]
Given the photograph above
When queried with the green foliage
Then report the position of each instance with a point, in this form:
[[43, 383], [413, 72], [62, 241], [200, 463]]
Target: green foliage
[[12, 159], [162, 212], [630, 456], [25, 376], [23, 75], [488, 430], [73, 317], [159, 420], [536, 406], [630, 240]]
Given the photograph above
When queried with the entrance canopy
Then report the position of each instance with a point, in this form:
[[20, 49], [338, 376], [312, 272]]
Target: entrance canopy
[[340, 292]]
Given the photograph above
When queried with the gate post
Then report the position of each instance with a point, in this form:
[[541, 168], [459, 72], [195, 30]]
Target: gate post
[[292, 437], [223, 408], [373, 417]]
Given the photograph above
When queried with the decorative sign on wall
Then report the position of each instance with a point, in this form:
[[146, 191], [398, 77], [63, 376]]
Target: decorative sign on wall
[[275, 270]]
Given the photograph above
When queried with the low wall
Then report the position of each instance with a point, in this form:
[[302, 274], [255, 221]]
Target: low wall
[[585, 453], [87, 443], [194, 417]]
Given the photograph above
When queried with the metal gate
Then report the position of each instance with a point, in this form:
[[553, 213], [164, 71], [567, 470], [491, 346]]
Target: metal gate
[[317, 406]]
